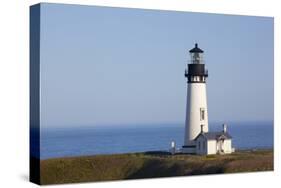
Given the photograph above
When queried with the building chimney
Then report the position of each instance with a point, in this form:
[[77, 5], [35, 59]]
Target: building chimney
[[224, 127], [202, 128]]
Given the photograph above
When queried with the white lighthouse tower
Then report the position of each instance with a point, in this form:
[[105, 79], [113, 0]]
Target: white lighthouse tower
[[196, 104]]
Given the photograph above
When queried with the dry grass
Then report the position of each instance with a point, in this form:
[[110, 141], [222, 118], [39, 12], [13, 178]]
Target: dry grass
[[141, 165]]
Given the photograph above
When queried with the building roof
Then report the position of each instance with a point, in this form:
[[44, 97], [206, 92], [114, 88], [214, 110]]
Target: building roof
[[215, 135], [196, 49]]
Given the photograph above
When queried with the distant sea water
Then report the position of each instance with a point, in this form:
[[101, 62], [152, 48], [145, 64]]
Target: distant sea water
[[65, 142]]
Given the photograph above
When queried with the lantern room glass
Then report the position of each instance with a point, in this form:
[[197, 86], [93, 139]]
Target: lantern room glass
[[196, 57]]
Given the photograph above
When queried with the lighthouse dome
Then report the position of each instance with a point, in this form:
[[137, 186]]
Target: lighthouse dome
[[196, 49]]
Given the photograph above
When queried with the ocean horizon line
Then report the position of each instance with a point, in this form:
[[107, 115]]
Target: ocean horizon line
[[155, 125]]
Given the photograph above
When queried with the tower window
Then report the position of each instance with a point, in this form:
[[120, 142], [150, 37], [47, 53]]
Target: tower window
[[202, 114]]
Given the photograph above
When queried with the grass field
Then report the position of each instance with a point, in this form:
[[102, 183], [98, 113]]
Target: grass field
[[150, 165]]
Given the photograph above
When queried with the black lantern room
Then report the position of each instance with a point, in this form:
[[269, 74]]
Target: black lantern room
[[196, 72]]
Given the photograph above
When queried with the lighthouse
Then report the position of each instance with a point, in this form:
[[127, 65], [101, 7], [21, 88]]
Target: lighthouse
[[196, 103], [197, 138]]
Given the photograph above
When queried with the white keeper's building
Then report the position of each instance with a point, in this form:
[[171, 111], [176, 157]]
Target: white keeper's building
[[198, 139], [208, 143]]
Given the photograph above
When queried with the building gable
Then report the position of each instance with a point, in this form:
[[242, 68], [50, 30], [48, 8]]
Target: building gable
[[214, 135]]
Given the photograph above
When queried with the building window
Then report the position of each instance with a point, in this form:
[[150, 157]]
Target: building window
[[204, 144], [202, 114], [199, 145]]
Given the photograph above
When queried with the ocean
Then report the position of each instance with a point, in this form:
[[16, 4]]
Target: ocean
[[65, 142]]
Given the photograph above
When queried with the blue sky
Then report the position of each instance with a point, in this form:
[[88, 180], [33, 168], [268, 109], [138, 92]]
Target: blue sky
[[117, 66]]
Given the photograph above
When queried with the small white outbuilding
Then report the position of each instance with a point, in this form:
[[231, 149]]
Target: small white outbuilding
[[208, 143]]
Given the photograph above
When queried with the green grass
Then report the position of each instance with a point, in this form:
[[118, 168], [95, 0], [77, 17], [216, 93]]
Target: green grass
[[146, 165]]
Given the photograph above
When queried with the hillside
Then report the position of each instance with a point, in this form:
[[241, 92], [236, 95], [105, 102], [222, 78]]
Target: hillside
[[150, 165]]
